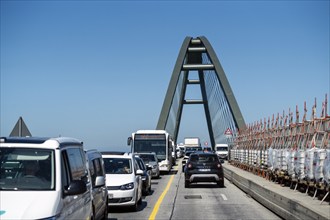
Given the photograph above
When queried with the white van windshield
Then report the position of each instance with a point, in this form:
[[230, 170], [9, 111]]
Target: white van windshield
[[222, 148], [27, 169]]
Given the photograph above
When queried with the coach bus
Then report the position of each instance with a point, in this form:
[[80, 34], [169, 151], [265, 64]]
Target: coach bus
[[158, 141]]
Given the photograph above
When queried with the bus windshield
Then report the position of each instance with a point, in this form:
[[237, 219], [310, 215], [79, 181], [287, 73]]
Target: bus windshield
[[151, 143]]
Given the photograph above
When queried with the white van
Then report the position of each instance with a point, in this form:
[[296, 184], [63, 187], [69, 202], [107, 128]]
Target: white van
[[222, 151], [44, 178]]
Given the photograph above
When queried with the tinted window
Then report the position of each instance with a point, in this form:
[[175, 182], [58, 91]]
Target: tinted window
[[95, 169], [203, 158], [76, 164], [140, 163]]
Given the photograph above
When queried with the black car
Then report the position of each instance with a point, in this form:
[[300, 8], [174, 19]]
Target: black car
[[203, 167], [146, 176]]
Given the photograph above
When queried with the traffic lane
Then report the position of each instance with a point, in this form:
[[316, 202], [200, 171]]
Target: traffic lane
[[148, 202], [209, 201]]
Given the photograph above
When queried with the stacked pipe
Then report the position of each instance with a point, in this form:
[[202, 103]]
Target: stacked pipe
[[290, 152]]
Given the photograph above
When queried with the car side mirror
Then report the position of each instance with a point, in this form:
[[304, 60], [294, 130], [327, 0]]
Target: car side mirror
[[149, 167], [139, 172], [99, 181], [76, 187], [129, 140]]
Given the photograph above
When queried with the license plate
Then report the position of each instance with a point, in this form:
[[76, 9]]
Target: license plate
[[204, 170], [110, 196]]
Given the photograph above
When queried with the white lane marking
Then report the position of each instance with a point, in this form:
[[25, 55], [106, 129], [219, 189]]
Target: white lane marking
[[224, 197]]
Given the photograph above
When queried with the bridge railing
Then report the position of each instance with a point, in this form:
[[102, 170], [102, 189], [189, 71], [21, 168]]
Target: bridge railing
[[290, 152]]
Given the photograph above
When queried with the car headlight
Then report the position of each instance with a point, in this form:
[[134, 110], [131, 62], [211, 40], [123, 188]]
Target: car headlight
[[127, 186]]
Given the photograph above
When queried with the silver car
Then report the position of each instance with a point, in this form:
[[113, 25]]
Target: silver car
[[99, 189], [150, 159]]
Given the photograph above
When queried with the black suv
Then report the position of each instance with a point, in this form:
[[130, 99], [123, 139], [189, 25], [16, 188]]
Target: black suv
[[203, 167]]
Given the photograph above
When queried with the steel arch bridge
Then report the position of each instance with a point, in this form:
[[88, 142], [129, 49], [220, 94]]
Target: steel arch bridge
[[221, 109]]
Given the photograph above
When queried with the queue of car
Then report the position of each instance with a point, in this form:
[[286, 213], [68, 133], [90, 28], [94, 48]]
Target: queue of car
[[55, 178]]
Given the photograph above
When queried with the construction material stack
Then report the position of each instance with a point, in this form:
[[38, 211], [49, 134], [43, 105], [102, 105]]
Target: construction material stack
[[294, 153]]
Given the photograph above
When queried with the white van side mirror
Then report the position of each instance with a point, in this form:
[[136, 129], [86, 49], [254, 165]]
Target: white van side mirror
[[99, 181], [139, 172], [76, 187]]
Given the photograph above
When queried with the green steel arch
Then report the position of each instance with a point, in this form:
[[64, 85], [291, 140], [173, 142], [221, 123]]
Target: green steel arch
[[221, 108]]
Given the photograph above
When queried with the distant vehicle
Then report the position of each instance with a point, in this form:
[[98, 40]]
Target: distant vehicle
[[146, 176], [150, 159], [187, 152], [44, 178], [158, 141], [207, 149], [222, 151], [179, 152], [123, 179], [192, 142], [99, 189], [203, 167]]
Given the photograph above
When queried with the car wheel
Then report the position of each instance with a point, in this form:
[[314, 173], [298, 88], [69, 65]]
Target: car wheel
[[105, 213], [221, 184], [134, 207], [186, 184], [139, 202]]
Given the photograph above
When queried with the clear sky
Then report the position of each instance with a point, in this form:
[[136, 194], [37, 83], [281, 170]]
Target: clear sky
[[99, 70]]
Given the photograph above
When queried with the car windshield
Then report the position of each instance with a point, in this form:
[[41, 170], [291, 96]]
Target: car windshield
[[117, 165], [222, 148], [148, 157], [193, 148], [27, 169]]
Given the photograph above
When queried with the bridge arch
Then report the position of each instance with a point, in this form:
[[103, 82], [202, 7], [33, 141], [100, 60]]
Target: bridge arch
[[221, 109]]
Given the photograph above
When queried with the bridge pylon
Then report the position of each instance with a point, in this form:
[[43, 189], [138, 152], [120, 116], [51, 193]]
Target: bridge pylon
[[221, 109]]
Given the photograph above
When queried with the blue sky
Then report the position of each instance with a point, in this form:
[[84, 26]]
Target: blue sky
[[99, 70]]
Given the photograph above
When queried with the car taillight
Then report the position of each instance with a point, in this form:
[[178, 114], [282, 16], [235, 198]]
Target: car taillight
[[189, 165]]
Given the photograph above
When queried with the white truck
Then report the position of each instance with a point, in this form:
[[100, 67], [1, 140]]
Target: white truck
[[222, 151], [192, 142]]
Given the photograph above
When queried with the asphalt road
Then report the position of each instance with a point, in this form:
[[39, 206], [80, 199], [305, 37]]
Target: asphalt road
[[200, 201]]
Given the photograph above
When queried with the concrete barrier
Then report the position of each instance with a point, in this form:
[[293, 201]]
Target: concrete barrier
[[283, 201]]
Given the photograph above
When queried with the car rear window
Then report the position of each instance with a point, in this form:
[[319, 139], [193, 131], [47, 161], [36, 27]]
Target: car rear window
[[203, 158]]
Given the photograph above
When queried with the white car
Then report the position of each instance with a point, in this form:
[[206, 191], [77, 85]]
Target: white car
[[44, 178], [123, 179]]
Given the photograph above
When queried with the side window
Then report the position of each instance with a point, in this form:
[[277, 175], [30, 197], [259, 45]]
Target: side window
[[76, 162], [136, 167], [92, 171], [98, 167], [65, 170]]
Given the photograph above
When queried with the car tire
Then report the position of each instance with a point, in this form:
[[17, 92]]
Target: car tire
[[105, 213], [134, 207], [139, 202], [186, 184], [221, 184]]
